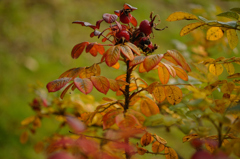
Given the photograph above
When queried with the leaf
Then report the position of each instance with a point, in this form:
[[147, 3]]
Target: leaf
[[28, 120], [216, 69], [116, 66], [129, 7], [229, 14], [173, 94], [230, 68], [75, 124], [139, 116], [24, 137], [112, 55], [170, 153], [181, 73], [137, 60], [235, 75], [236, 149], [190, 27], [178, 57], [65, 90], [83, 84], [127, 52], [113, 85], [87, 24], [109, 118], [163, 74], [141, 151], [146, 139], [101, 83], [190, 137], [214, 33], [126, 121], [148, 107], [134, 48], [228, 87], [151, 61], [39, 147], [159, 93], [109, 18], [57, 84], [133, 21], [237, 10], [160, 139], [94, 48], [170, 68], [232, 38], [73, 72], [151, 87], [157, 147], [78, 49], [181, 16], [141, 68]]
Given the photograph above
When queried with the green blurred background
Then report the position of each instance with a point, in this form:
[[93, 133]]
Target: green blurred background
[[36, 38]]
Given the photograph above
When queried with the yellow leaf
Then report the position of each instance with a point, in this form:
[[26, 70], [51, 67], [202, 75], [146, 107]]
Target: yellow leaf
[[190, 27], [228, 87], [190, 137], [230, 68], [232, 38], [216, 69], [163, 74], [174, 94], [28, 120], [170, 153], [157, 147], [181, 73], [24, 137], [214, 33], [148, 107], [235, 75], [181, 16], [116, 66], [159, 93]]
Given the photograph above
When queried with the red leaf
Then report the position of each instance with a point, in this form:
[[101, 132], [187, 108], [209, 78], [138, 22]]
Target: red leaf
[[112, 55], [109, 118], [109, 18], [87, 146], [127, 52], [90, 48], [126, 121], [61, 155], [151, 61], [101, 83], [98, 23], [137, 60], [75, 124], [128, 6], [85, 24], [57, 84], [78, 49], [113, 85], [133, 21], [83, 84]]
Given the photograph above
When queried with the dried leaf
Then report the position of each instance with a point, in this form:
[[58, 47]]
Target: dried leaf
[[101, 83], [181, 16], [159, 93], [214, 33], [174, 94], [160, 139], [83, 84], [146, 139], [157, 147], [190, 27], [148, 107], [232, 38], [170, 153], [216, 69], [190, 137], [126, 121]]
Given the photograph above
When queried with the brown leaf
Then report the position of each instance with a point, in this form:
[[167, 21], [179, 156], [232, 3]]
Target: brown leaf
[[174, 94], [146, 139], [157, 147], [171, 153]]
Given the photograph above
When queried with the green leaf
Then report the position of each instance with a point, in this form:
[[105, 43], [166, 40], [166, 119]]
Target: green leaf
[[203, 19], [154, 120], [237, 10], [234, 109], [229, 14]]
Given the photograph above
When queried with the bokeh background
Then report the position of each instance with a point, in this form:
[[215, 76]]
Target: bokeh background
[[36, 38]]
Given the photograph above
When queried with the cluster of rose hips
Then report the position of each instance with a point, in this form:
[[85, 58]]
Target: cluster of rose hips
[[140, 36]]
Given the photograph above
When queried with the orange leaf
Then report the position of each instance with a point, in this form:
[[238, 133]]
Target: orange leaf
[[133, 21], [190, 137], [39, 147], [101, 83], [151, 61], [109, 118], [170, 153], [57, 84], [174, 94], [83, 84], [126, 121], [78, 49], [92, 49], [148, 107], [116, 66], [112, 55], [113, 85], [170, 69], [146, 139], [141, 68], [139, 116], [141, 151], [178, 57], [163, 74], [181, 73], [133, 47], [127, 52], [159, 93], [65, 74], [24, 137], [100, 49], [157, 147], [137, 60], [121, 77], [152, 86]]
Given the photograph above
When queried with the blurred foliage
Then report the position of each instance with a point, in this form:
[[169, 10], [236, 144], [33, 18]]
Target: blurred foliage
[[36, 38]]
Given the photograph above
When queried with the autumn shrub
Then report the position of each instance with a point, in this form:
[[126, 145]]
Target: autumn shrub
[[117, 127]]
